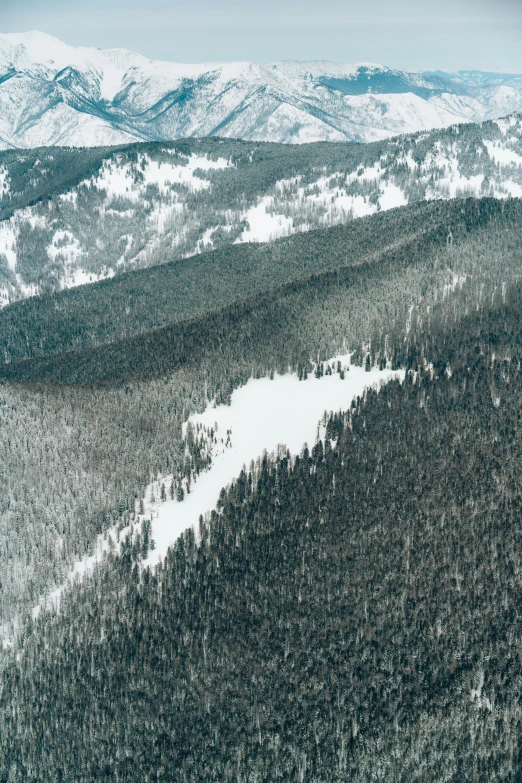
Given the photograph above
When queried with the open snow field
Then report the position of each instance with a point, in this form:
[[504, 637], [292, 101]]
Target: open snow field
[[263, 415]]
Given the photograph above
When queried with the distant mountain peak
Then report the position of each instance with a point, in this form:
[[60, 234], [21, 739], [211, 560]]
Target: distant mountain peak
[[55, 94]]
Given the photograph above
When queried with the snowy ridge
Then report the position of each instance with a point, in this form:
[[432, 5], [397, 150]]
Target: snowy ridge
[[164, 203], [55, 94]]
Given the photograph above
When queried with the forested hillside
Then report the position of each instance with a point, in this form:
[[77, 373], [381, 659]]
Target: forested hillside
[[138, 302], [260, 412], [85, 432], [96, 385], [77, 216], [351, 613]]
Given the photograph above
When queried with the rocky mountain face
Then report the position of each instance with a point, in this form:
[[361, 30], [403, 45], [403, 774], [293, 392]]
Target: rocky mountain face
[[54, 94]]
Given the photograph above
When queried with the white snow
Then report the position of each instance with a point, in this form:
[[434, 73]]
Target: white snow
[[505, 124], [71, 196], [8, 242], [74, 274], [285, 101], [453, 183], [111, 84], [35, 48], [391, 197], [263, 415], [513, 188], [263, 226], [292, 69], [337, 205], [503, 155], [80, 277], [205, 242], [411, 163], [118, 180], [70, 251], [186, 174]]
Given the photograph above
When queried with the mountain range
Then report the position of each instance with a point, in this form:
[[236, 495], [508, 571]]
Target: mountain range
[[55, 94]]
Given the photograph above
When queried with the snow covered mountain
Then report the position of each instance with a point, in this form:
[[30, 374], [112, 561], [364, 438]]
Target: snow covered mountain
[[54, 94], [72, 216]]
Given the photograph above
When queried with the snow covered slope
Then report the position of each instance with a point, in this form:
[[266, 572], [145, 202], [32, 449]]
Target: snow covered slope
[[148, 204], [54, 94], [264, 416]]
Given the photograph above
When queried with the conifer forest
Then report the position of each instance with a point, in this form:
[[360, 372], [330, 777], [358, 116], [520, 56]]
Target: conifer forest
[[336, 598]]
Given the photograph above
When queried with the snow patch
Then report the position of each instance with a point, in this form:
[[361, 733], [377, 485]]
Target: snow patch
[[503, 155], [262, 226], [263, 415], [121, 180], [513, 188], [64, 243], [8, 243], [111, 84], [391, 197]]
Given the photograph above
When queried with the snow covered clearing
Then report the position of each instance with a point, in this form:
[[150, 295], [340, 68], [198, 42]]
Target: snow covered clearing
[[163, 174], [72, 196], [263, 226], [76, 277], [324, 199], [81, 277], [118, 180], [513, 189], [503, 155], [8, 243], [391, 197], [29, 215], [263, 415], [454, 185]]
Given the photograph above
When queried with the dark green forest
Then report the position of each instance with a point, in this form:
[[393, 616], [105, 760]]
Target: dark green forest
[[346, 614], [350, 613], [84, 432], [185, 292]]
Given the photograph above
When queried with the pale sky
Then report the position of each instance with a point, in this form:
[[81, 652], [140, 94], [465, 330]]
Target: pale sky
[[429, 34]]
